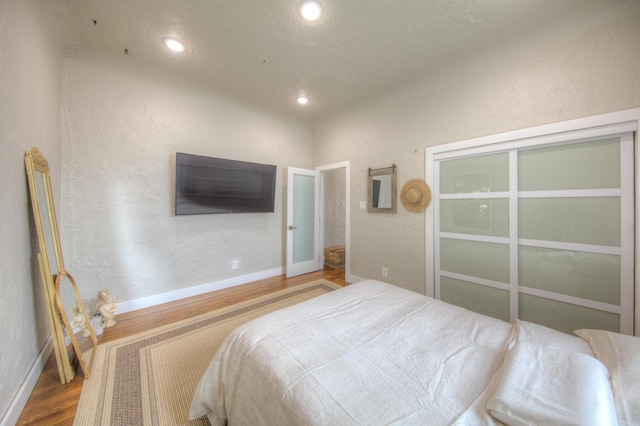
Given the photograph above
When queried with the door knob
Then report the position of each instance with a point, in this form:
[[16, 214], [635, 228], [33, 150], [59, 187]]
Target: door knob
[[291, 227]]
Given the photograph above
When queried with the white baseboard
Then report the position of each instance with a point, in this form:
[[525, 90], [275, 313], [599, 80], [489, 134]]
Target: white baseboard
[[170, 296], [354, 278], [22, 396], [12, 414]]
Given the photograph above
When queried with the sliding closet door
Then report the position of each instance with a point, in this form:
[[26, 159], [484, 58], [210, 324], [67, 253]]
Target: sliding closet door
[[572, 232], [473, 231], [538, 230]]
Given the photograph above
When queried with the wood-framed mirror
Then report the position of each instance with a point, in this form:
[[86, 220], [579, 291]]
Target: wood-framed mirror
[[53, 274], [76, 321], [382, 190]]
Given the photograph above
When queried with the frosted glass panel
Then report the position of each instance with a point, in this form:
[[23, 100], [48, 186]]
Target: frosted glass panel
[[482, 260], [593, 165], [487, 173], [575, 220], [303, 214], [586, 275], [475, 297], [564, 316], [478, 217]]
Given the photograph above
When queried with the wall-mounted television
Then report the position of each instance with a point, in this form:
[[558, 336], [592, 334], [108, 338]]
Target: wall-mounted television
[[206, 185]]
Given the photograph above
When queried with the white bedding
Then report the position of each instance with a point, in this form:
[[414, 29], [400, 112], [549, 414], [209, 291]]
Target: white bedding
[[542, 386], [373, 354], [370, 353]]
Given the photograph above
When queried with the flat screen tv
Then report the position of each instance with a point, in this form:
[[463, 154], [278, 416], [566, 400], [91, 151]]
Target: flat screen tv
[[206, 185]]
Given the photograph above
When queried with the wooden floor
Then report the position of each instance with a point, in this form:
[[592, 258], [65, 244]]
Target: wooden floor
[[52, 403]]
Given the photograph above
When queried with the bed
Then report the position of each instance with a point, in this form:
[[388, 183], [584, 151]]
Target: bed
[[373, 353]]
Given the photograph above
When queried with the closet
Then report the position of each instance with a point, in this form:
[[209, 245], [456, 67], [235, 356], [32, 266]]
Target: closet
[[536, 228]]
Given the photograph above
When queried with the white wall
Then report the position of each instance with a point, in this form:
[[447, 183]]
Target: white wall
[[586, 67], [122, 124], [30, 75]]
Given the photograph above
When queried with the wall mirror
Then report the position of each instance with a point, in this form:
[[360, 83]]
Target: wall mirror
[[381, 190], [52, 271]]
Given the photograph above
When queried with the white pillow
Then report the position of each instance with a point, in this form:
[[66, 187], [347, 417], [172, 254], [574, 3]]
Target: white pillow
[[621, 355], [549, 338], [545, 386]]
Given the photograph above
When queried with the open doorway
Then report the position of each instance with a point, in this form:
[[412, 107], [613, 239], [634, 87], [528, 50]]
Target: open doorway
[[335, 214]]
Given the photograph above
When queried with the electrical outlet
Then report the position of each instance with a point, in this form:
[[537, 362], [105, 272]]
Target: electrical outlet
[[234, 264], [385, 271]]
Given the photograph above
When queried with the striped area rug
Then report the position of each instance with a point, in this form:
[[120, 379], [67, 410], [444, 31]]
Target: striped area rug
[[149, 378]]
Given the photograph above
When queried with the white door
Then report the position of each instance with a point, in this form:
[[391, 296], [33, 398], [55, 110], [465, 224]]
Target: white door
[[303, 221]]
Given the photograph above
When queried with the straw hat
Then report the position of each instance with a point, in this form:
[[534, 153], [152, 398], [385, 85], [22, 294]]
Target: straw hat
[[415, 195]]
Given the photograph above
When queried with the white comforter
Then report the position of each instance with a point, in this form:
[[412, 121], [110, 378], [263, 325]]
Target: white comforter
[[368, 354]]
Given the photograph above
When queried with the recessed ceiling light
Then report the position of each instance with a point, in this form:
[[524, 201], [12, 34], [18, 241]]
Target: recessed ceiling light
[[173, 44], [311, 10], [303, 100]]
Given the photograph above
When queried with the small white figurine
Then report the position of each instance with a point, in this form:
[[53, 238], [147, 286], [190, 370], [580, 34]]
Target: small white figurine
[[78, 318], [106, 305]]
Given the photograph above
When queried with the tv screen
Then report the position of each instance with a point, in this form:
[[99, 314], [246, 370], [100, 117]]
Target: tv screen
[[207, 185]]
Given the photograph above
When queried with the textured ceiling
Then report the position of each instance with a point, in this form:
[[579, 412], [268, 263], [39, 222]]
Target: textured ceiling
[[263, 52]]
